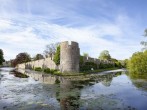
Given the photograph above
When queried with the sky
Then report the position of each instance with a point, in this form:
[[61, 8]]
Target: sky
[[97, 25]]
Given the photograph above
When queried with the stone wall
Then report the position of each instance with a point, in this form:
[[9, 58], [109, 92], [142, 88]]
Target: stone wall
[[43, 63], [69, 59], [96, 61]]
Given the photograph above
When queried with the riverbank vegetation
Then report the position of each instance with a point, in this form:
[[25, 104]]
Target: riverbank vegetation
[[137, 64], [21, 58], [1, 57], [91, 67], [48, 71], [56, 58]]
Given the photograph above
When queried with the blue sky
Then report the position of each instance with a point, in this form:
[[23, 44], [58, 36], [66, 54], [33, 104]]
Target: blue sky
[[97, 25]]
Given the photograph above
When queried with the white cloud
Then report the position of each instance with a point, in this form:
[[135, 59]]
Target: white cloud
[[38, 24], [4, 24], [91, 39]]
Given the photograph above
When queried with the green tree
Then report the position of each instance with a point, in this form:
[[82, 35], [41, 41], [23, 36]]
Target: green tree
[[1, 57], [138, 63], [21, 58], [85, 54], [57, 56], [123, 63], [104, 55], [38, 57]]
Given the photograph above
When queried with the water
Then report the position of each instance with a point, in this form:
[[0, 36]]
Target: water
[[111, 91]]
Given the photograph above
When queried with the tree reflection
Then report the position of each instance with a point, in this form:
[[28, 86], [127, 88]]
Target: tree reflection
[[107, 79], [68, 96], [139, 80]]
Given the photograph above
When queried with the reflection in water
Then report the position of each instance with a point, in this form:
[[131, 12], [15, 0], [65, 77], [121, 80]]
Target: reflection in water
[[108, 91], [69, 92], [139, 80], [18, 74], [68, 96]]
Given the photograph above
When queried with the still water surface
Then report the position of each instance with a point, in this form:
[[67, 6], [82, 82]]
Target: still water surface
[[112, 91]]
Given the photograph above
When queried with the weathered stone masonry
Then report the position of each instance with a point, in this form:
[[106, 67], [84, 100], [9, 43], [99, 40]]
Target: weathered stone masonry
[[69, 59]]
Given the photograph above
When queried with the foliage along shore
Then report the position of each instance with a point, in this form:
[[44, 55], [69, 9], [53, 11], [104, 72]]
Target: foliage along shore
[[58, 73]]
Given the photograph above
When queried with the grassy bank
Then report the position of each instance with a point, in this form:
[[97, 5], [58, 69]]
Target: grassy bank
[[100, 70], [56, 72]]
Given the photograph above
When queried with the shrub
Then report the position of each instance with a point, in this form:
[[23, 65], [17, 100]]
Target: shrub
[[57, 81], [104, 66], [81, 60], [53, 71], [57, 72], [47, 70], [38, 69], [87, 66], [138, 63]]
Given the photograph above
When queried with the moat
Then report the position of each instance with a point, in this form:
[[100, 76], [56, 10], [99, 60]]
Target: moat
[[111, 91]]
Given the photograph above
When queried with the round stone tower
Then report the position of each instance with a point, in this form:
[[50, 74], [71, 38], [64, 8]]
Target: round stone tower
[[69, 57]]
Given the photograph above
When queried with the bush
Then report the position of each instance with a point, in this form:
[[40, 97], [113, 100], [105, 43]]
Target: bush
[[104, 66], [81, 60], [47, 70], [87, 66], [53, 71], [38, 69], [57, 72], [138, 63], [57, 81]]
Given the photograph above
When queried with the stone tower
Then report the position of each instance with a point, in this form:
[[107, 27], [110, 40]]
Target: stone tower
[[69, 57]]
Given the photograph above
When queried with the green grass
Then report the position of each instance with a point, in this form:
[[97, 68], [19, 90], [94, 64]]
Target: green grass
[[87, 72], [56, 72], [48, 71], [100, 70], [38, 69]]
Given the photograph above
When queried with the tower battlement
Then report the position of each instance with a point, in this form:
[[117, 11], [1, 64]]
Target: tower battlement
[[67, 44]]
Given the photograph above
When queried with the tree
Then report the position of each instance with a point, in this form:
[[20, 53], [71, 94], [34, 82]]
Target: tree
[[85, 54], [117, 63], [57, 56], [124, 63], [104, 55], [1, 57], [13, 63], [144, 43], [138, 63], [38, 57], [50, 50], [21, 58]]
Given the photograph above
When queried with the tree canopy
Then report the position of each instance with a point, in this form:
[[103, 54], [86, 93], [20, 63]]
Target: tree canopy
[[104, 55], [85, 54], [138, 63], [50, 50], [1, 57], [38, 57], [57, 56], [21, 58]]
